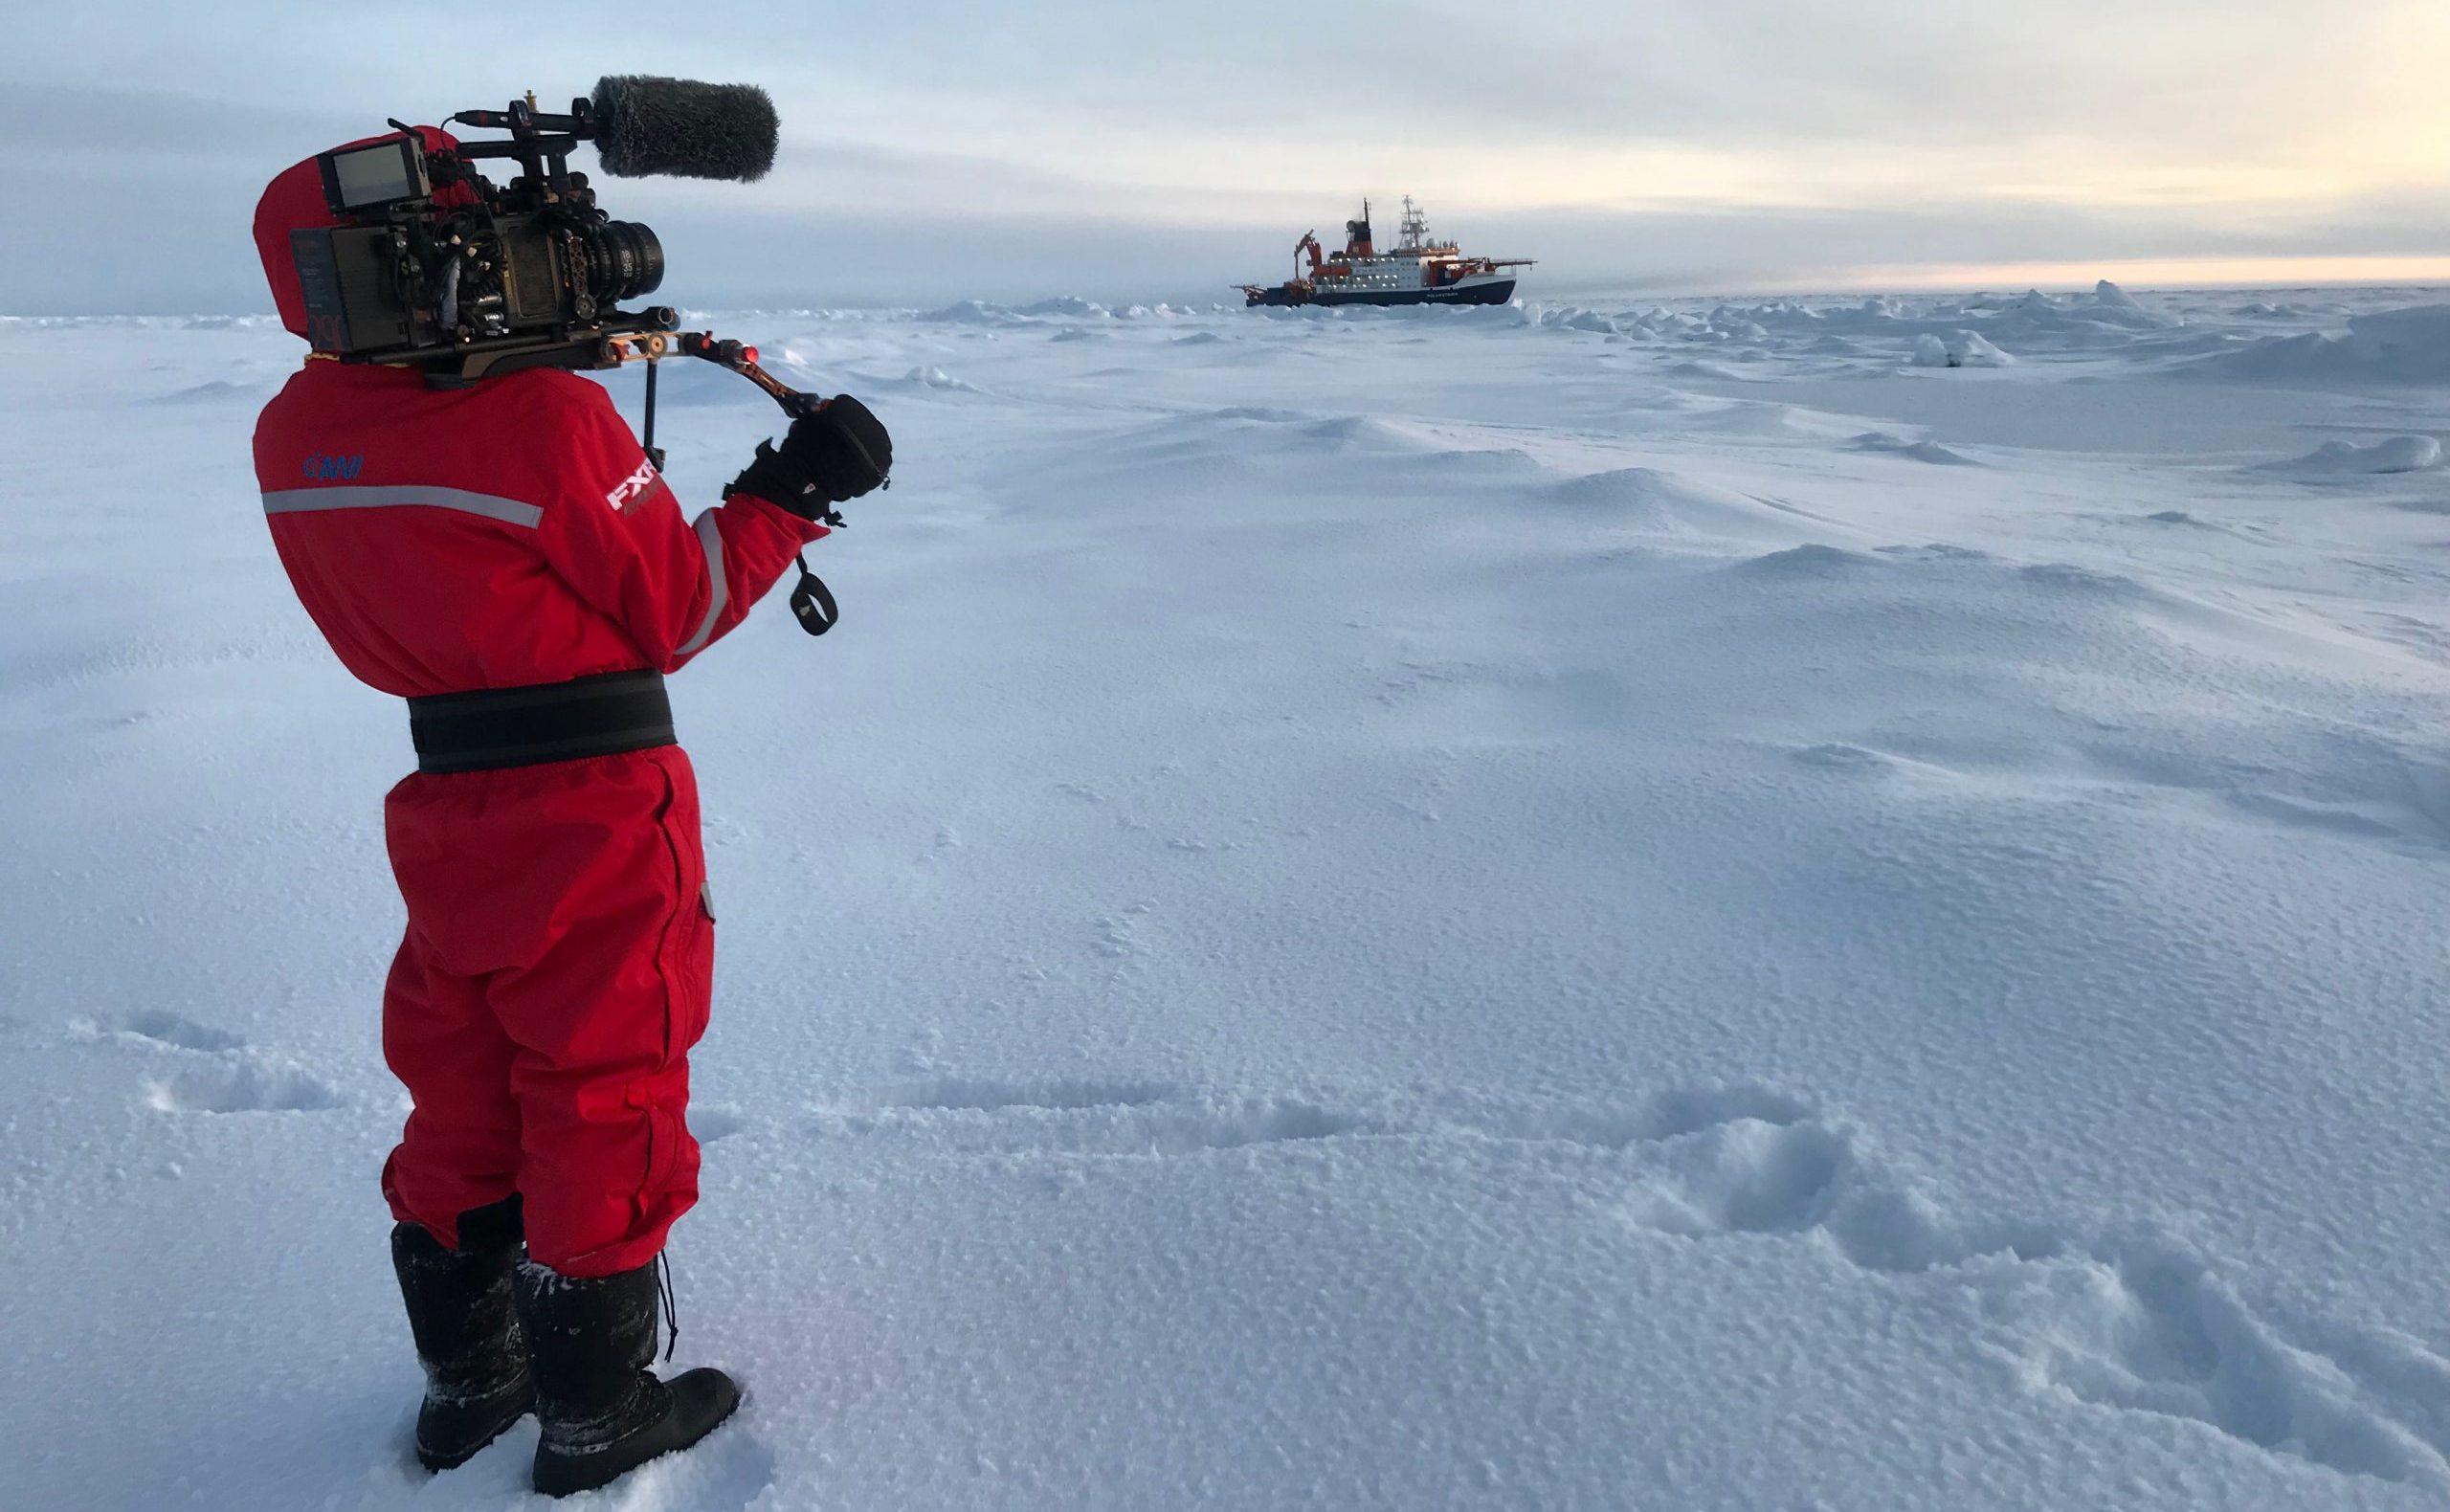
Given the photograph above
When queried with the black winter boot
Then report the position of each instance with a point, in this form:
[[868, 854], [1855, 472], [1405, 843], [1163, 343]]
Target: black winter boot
[[603, 1412], [466, 1326]]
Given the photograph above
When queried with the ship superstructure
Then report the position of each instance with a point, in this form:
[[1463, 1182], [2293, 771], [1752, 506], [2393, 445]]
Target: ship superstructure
[[1416, 269]]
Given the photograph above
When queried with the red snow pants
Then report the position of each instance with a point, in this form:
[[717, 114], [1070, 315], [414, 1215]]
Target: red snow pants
[[557, 968]]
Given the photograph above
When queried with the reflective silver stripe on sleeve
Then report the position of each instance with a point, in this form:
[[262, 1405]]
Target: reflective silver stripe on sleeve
[[710, 541], [382, 495]]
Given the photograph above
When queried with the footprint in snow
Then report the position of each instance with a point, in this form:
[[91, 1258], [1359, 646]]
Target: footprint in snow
[[1086, 1118], [2127, 1322], [208, 1069], [239, 1086], [1668, 1116], [163, 1028], [1141, 1117]]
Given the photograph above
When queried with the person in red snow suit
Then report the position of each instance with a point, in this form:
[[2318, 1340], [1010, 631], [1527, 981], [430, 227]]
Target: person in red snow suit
[[504, 555]]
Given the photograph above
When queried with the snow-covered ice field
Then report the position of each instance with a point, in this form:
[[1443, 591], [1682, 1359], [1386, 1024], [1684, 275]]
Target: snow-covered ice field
[[1682, 908]]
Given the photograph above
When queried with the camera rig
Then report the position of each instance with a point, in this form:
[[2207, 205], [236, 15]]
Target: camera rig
[[426, 262], [429, 263]]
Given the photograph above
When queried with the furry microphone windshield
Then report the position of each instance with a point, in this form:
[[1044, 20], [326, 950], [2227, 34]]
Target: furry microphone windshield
[[647, 126]]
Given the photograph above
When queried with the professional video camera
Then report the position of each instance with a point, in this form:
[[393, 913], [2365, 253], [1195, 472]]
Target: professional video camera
[[433, 264]]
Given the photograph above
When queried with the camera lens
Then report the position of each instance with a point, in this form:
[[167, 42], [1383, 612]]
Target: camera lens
[[623, 261]]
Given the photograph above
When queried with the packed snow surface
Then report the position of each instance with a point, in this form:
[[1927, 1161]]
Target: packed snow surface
[[1579, 905]]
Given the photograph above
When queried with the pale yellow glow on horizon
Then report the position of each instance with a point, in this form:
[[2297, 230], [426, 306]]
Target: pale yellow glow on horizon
[[2142, 273]]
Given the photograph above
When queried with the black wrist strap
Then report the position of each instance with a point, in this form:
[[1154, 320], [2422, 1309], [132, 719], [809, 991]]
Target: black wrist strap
[[813, 603]]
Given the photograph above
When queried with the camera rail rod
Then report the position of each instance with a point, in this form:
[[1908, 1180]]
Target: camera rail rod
[[541, 142]]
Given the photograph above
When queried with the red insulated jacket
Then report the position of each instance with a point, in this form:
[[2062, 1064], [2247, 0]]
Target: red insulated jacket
[[504, 534]]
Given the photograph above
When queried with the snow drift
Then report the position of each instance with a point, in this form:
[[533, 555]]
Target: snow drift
[[2399, 453], [2387, 346]]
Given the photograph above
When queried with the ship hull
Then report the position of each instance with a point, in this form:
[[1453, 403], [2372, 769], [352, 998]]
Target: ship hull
[[1494, 291]]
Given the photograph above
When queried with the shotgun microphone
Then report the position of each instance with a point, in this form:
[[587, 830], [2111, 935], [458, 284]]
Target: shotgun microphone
[[649, 126]]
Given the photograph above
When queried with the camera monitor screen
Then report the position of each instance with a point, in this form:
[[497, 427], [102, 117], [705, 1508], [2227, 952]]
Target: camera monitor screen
[[376, 175]]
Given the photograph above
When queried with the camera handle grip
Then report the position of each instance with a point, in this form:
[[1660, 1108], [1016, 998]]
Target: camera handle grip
[[742, 359], [812, 603]]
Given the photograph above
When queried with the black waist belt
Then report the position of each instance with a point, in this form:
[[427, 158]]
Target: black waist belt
[[599, 715]]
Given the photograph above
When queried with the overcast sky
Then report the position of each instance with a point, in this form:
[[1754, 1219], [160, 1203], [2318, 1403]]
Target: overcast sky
[[934, 149]]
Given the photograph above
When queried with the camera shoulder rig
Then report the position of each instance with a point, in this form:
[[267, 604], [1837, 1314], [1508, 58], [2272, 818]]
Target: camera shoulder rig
[[428, 263]]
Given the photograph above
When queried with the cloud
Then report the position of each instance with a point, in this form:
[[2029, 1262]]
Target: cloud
[[74, 122], [942, 148]]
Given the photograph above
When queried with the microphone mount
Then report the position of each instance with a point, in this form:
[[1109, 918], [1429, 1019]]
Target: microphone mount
[[539, 142]]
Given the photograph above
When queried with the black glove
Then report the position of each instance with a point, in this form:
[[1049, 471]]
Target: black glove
[[837, 454]]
